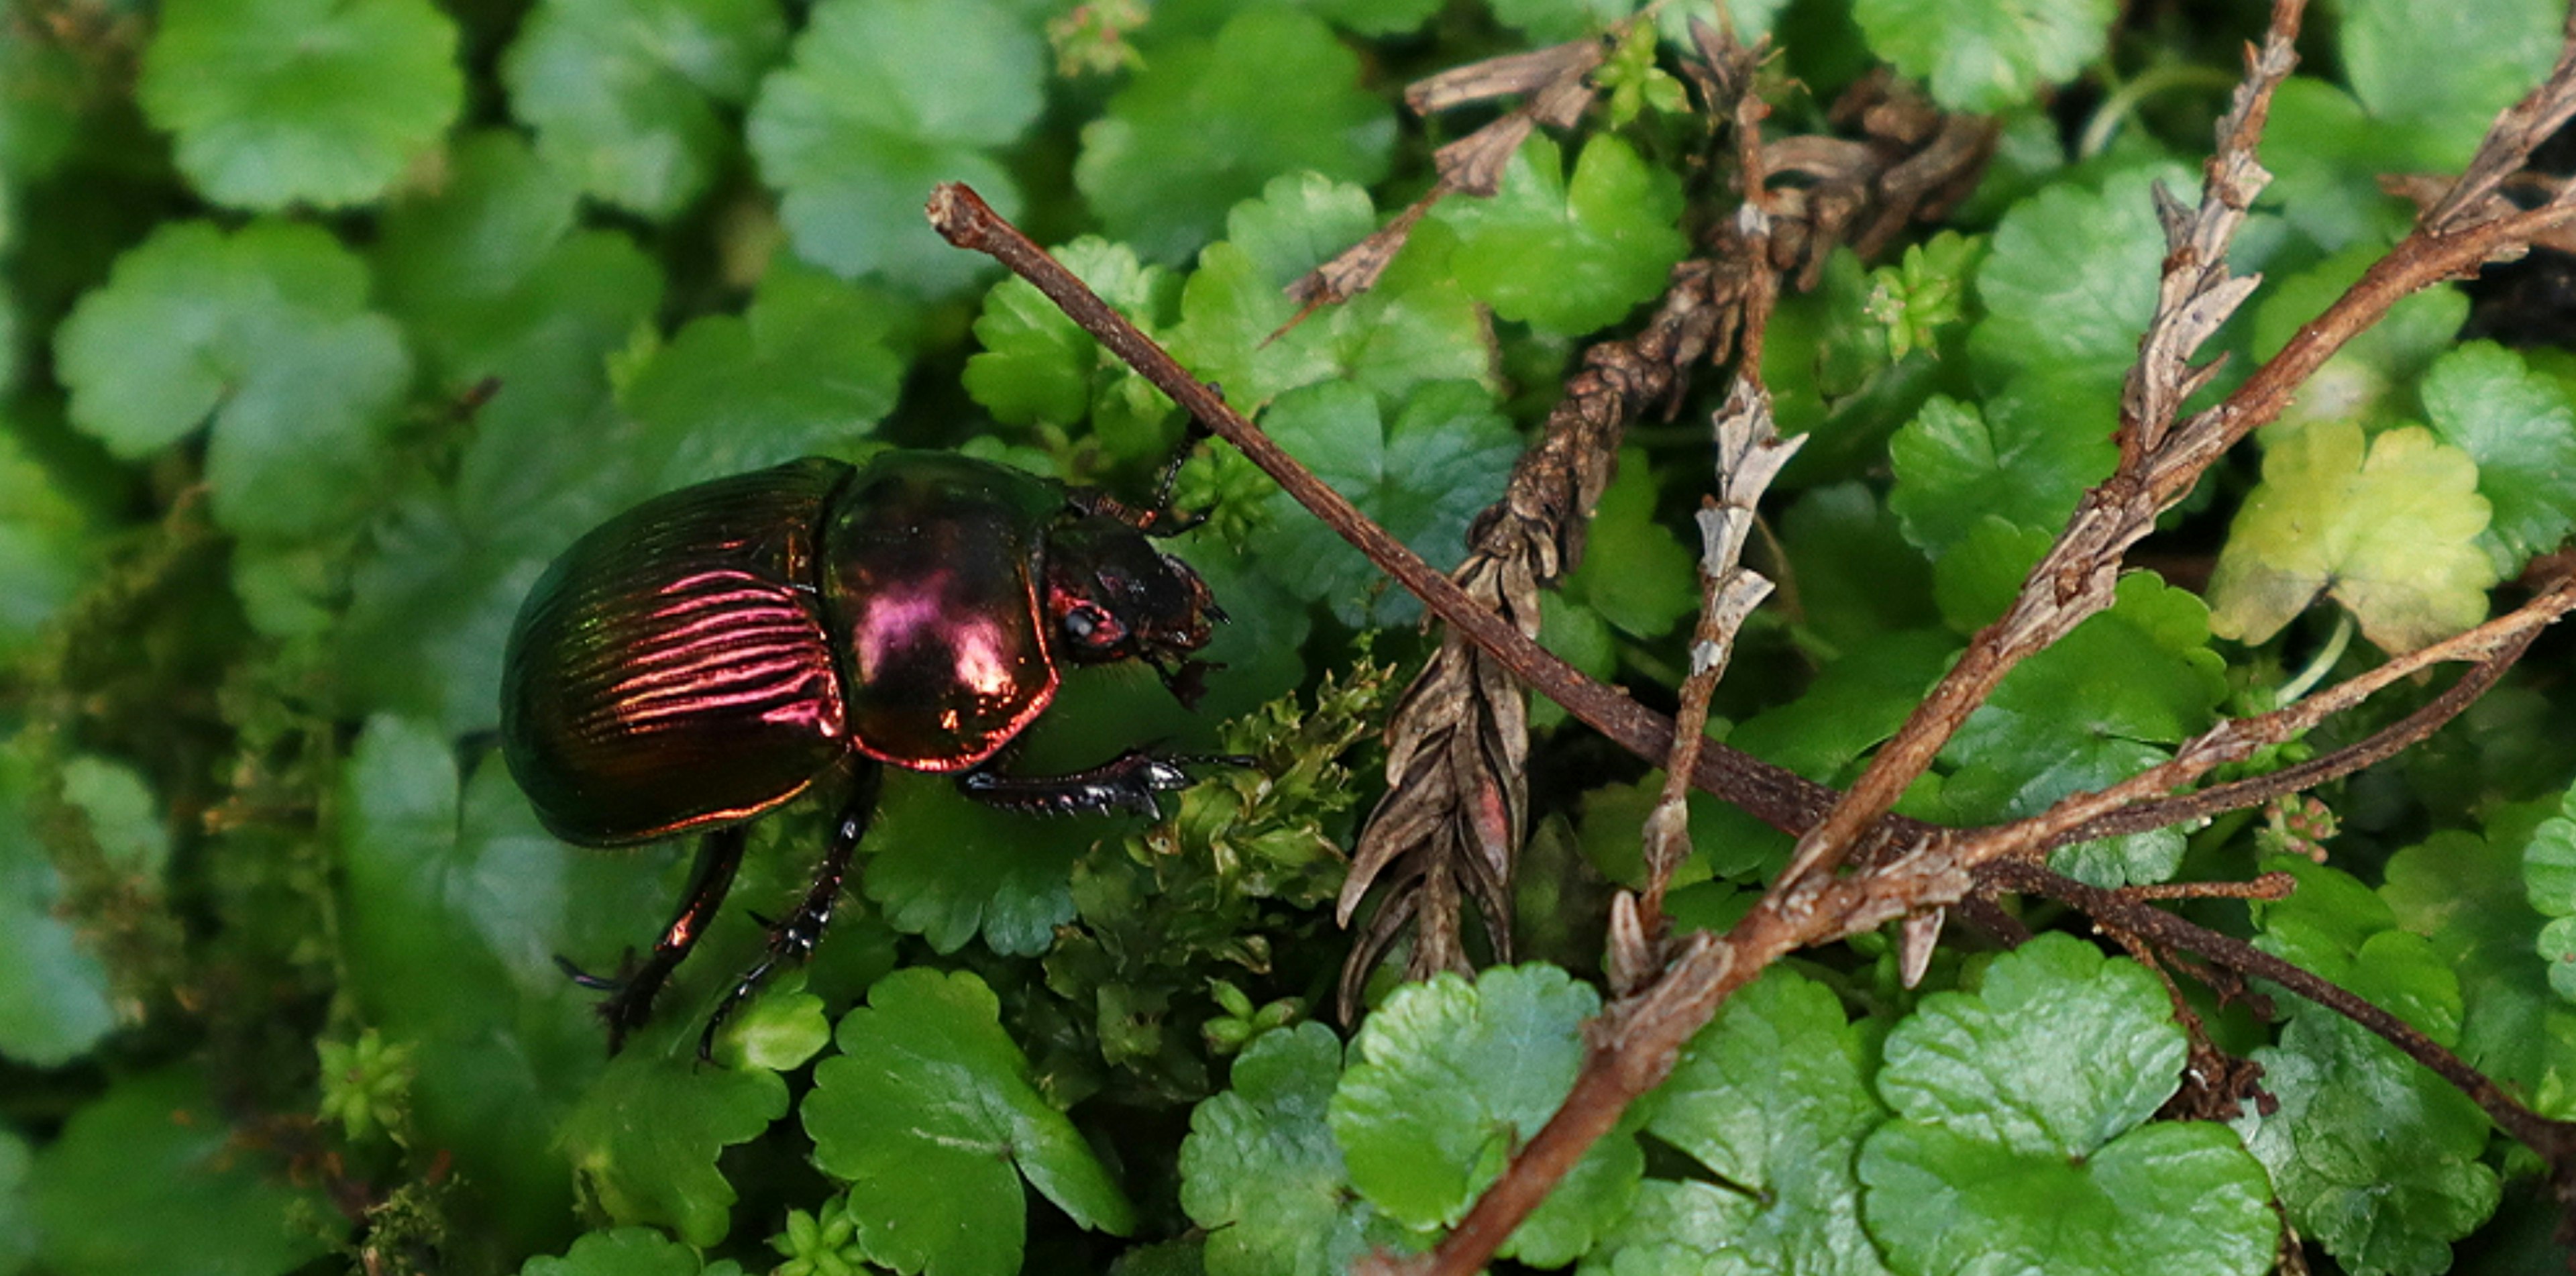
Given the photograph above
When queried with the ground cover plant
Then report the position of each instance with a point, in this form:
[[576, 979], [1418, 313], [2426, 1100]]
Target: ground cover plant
[[2099, 474]]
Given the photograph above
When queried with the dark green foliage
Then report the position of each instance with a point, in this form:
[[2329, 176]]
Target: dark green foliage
[[325, 327]]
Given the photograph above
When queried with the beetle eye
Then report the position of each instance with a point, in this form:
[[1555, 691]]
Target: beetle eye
[[1091, 625]]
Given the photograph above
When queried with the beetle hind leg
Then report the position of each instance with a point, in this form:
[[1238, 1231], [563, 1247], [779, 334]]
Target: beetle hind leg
[[1127, 782], [793, 940], [632, 989]]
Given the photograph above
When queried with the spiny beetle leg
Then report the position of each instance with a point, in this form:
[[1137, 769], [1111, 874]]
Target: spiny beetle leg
[[792, 941], [1126, 782], [632, 989]]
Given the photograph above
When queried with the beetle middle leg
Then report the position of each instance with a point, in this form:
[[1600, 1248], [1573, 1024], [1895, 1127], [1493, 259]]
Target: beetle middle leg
[[792, 940], [631, 992], [1127, 782]]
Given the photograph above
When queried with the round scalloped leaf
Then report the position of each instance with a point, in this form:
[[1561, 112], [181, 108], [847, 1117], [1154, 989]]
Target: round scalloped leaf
[[1773, 1098], [2372, 1155], [1570, 255], [625, 94], [806, 370], [2391, 534], [625, 1251], [2026, 459], [2486, 401], [2180, 1199], [1980, 56], [645, 1138], [53, 991], [1421, 476], [2069, 283], [279, 102], [2020, 1143], [1452, 1078], [884, 100], [1260, 1170], [154, 1177], [265, 333], [1208, 123], [926, 1111], [2439, 70], [2058, 1050]]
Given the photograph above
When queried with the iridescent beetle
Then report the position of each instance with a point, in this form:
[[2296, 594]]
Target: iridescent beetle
[[712, 653]]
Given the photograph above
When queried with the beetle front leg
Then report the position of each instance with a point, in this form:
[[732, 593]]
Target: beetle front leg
[[792, 941], [631, 992], [1126, 782]]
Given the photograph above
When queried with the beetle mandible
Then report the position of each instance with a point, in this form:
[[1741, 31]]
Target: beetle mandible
[[713, 652]]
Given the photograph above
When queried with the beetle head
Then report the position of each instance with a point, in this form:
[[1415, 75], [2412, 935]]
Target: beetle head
[[1111, 595]]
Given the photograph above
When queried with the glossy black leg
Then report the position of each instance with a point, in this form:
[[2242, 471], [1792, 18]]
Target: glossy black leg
[[793, 940], [1126, 782], [631, 992]]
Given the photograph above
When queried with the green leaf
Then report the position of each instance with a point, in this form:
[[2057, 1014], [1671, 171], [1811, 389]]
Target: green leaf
[[282, 102], [1556, 21], [1981, 573], [266, 333], [1240, 329], [2339, 929], [1856, 573], [947, 869], [2439, 72], [1634, 571], [2018, 1144], [884, 100], [1852, 706], [645, 1139], [1452, 1078], [2327, 154], [1569, 256], [1984, 57], [2359, 381], [2026, 460], [2373, 1156], [622, 1251], [1773, 1098], [805, 371], [496, 286], [625, 94], [1261, 1173], [2070, 283], [453, 904], [2088, 712], [53, 991], [2059, 1051], [2466, 894], [2391, 535], [153, 1177], [926, 1111], [17, 1229], [48, 538], [1210, 122], [2516, 424], [1038, 367], [2182, 1199], [1443, 458]]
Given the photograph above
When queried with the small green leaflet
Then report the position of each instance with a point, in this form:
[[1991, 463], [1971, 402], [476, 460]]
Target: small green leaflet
[[1261, 1172], [2516, 424], [626, 1251], [1571, 255], [645, 1138], [1980, 56], [929, 1112]]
